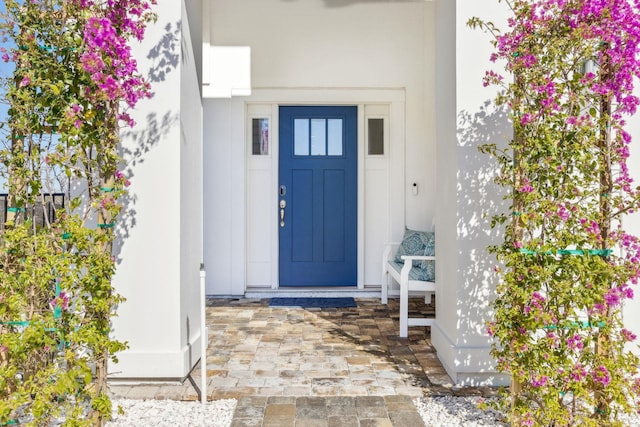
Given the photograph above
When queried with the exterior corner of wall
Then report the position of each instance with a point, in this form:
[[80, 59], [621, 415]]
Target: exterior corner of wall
[[445, 349], [467, 366], [191, 353], [154, 364]]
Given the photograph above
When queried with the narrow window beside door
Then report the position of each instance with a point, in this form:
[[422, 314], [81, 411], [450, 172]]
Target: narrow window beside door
[[260, 137], [375, 132]]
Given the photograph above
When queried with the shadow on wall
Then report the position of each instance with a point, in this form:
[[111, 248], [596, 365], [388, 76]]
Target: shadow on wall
[[165, 55], [137, 142], [480, 198]]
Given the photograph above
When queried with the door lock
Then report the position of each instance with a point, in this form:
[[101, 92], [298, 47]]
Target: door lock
[[283, 204]]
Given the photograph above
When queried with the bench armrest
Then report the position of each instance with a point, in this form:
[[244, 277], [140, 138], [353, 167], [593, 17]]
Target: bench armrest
[[412, 258], [389, 248]]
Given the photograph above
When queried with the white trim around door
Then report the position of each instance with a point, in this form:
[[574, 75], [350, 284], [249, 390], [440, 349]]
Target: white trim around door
[[380, 179]]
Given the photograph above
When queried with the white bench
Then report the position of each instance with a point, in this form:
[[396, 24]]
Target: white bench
[[405, 275]]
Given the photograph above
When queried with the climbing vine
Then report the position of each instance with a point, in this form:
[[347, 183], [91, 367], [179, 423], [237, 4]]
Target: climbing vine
[[567, 263], [74, 79]]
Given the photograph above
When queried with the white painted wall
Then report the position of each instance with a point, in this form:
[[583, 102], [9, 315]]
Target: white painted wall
[[317, 45], [191, 209], [465, 192], [224, 199], [160, 246], [194, 16]]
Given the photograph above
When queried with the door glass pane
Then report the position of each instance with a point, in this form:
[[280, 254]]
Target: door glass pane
[[334, 140], [301, 137], [260, 136], [318, 137], [375, 131]]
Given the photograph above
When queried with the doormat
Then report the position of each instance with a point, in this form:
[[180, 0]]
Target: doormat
[[313, 302]]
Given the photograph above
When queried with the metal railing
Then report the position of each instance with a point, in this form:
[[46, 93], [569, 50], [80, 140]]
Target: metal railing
[[42, 210]]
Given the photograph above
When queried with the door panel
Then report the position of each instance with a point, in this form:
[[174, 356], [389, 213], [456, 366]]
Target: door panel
[[318, 169]]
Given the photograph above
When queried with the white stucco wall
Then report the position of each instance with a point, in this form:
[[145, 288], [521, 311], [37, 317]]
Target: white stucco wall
[[191, 208], [465, 193], [318, 45], [161, 239]]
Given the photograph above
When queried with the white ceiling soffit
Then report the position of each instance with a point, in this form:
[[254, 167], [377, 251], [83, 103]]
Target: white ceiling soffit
[[226, 71]]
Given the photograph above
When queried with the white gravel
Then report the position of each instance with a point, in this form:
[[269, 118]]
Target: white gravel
[[171, 413], [443, 411], [436, 412], [453, 411]]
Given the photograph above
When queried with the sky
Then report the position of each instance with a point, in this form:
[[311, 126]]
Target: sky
[[5, 71]]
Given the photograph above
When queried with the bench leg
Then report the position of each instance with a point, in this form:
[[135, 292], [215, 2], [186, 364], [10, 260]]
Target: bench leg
[[404, 310], [427, 298], [384, 297]]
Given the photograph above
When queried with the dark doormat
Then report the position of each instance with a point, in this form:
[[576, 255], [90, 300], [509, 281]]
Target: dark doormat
[[313, 302]]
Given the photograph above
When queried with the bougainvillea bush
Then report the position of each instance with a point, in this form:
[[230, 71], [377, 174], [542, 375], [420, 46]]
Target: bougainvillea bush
[[73, 82], [567, 263]]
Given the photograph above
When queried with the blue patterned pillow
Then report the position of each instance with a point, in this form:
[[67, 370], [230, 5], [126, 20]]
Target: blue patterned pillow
[[413, 243], [429, 267], [419, 243]]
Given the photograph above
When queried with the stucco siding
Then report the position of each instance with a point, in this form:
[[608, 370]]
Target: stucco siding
[[160, 235]]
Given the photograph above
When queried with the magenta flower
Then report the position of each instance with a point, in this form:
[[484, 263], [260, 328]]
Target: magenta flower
[[594, 228], [601, 375], [526, 186], [539, 381], [563, 213], [26, 81], [526, 119], [575, 342], [61, 301], [578, 373], [628, 335], [612, 298]]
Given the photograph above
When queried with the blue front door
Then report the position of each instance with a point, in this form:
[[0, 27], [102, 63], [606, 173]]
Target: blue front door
[[318, 196]]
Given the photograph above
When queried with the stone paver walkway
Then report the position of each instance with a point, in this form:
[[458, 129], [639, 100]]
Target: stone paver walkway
[[314, 367]]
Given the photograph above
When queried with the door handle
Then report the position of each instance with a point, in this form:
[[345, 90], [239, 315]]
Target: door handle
[[283, 204]]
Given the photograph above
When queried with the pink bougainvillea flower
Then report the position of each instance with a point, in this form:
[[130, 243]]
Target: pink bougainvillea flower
[[526, 186], [26, 81], [612, 297], [575, 342], [563, 213], [601, 375], [61, 301], [628, 335], [539, 381], [578, 373]]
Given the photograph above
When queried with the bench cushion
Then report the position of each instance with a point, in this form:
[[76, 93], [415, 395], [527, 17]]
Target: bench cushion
[[413, 243], [430, 266], [416, 273], [419, 243]]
